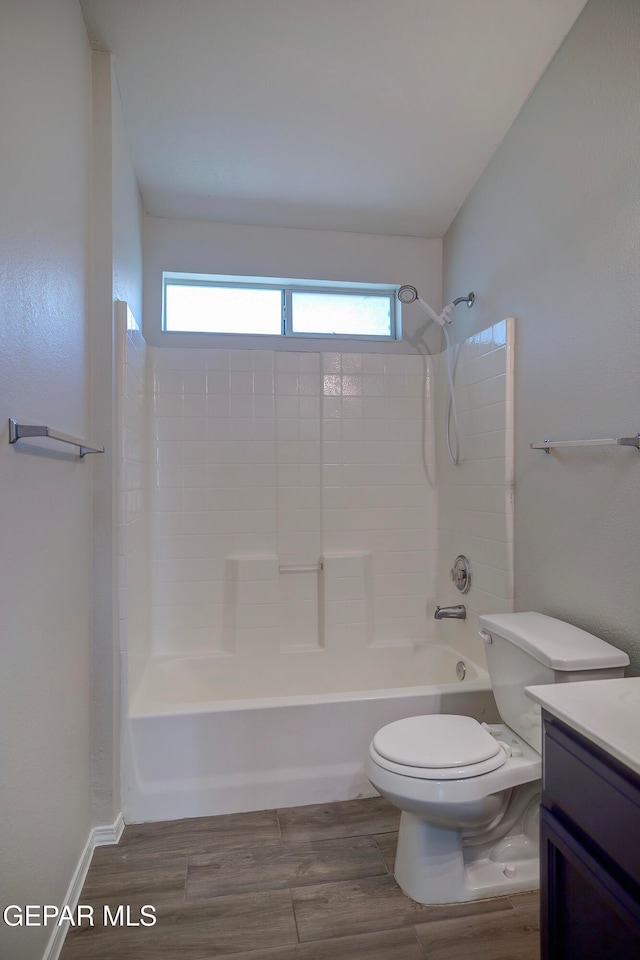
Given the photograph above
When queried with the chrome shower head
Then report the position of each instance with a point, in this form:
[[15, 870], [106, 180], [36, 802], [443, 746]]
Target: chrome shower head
[[407, 294]]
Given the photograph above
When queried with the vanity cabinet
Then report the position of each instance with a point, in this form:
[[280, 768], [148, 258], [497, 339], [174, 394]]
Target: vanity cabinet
[[590, 850]]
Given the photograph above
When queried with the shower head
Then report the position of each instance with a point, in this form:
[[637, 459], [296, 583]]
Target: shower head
[[407, 294]]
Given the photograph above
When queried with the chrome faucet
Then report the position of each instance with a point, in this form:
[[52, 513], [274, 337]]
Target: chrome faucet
[[458, 612]]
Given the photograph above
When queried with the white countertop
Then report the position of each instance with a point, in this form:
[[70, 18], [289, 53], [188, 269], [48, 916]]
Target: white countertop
[[607, 712]]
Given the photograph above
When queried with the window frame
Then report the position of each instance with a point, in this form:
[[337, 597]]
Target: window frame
[[287, 288]]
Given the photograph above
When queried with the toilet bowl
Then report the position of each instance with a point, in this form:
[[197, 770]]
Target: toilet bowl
[[455, 817], [469, 793]]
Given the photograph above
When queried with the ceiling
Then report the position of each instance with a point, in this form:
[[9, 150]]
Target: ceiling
[[373, 116]]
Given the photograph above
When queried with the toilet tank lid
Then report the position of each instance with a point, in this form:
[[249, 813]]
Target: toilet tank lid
[[554, 643]]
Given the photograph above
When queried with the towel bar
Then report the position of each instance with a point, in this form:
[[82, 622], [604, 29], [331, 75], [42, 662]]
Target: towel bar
[[21, 431], [547, 445]]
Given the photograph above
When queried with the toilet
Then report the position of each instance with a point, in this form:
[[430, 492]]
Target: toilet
[[469, 792]]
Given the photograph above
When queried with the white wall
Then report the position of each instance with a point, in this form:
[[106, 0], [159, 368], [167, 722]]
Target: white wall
[[70, 242], [550, 234], [222, 248], [45, 549]]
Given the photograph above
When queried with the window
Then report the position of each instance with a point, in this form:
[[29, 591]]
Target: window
[[263, 307]]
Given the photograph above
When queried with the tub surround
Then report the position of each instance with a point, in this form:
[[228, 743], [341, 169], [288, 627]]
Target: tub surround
[[295, 499], [264, 465], [277, 568], [476, 497], [134, 625]]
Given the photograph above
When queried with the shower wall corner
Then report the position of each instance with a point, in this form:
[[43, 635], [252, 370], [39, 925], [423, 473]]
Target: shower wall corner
[[134, 559]]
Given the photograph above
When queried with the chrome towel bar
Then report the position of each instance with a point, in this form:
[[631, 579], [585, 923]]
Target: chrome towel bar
[[21, 431], [547, 445]]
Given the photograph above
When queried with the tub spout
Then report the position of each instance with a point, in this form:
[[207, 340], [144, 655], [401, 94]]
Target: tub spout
[[459, 612]]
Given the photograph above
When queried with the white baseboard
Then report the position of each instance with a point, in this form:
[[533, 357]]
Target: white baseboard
[[99, 837], [104, 836]]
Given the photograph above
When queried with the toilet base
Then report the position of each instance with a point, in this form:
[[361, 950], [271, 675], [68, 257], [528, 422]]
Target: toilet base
[[431, 866]]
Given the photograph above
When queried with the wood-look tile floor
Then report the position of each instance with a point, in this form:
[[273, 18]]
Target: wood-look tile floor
[[305, 883]]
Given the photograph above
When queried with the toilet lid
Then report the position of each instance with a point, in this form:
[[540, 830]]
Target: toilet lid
[[436, 742]]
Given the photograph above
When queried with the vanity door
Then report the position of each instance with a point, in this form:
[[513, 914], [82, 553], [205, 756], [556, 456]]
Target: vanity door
[[586, 912], [590, 851]]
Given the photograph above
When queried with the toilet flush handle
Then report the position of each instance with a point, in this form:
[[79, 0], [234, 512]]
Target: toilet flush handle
[[486, 636]]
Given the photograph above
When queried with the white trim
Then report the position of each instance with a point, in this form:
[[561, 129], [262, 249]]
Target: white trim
[[99, 837], [104, 836]]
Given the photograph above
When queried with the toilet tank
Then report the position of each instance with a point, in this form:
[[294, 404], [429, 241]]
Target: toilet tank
[[524, 649]]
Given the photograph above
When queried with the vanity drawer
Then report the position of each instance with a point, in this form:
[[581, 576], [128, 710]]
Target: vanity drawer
[[599, 796]]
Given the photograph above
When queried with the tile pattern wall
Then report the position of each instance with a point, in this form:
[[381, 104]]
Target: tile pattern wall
[[133, 492], [379, 508], [476, 496], [264, 460]]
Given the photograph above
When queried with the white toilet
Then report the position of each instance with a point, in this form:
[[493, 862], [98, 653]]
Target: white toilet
[[470, 792]]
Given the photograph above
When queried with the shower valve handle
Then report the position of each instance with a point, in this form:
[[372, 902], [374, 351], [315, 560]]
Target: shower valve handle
[[461, 574]]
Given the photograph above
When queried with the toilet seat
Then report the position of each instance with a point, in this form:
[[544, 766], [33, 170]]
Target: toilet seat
[[437, 747]]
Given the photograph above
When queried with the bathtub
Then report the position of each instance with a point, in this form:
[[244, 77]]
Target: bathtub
[[211, 735]]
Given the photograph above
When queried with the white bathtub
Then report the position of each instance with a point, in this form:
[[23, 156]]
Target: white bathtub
[[210, 735]]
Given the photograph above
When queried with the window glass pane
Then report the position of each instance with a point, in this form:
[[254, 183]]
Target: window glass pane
[[356, 315], [205, 309]]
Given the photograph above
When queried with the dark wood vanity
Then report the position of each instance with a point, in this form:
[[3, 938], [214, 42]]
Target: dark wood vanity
[[590, 849]]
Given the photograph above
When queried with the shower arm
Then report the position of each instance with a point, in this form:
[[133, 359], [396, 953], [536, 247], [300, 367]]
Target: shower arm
[[469, 299]]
